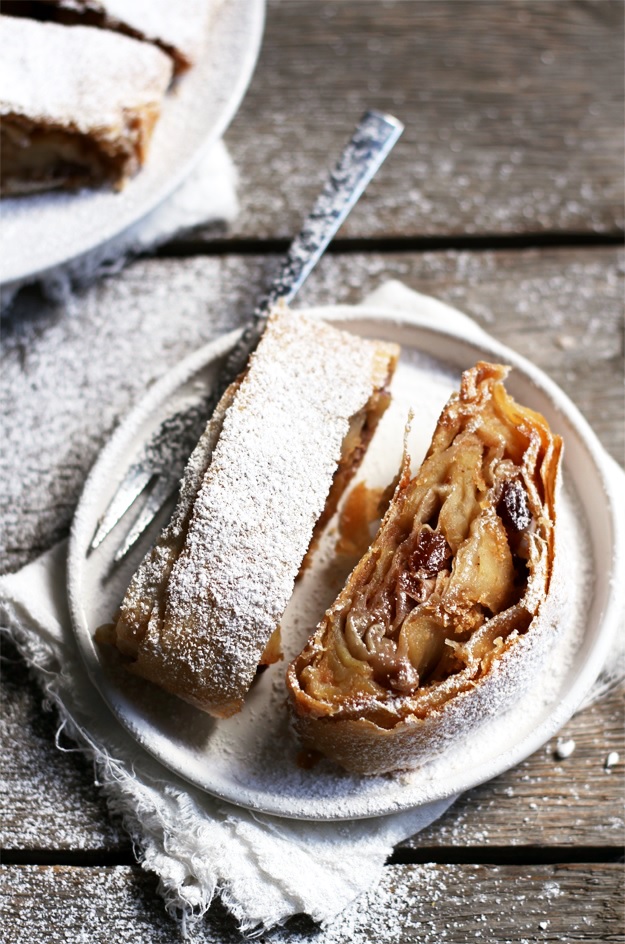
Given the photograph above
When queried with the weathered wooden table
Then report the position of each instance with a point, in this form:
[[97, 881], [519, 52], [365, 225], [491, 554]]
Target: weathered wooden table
[[504, 197]]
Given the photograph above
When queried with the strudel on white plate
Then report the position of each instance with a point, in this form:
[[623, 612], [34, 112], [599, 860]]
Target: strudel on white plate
[[454, 607], [77, 105], [203, 610]]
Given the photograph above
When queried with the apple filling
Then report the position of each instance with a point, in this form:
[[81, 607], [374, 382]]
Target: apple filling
[[36, 158], [362, 426], [444, 586]]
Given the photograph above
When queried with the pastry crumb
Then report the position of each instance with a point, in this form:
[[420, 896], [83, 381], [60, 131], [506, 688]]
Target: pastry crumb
[[611, 760], [564, 748]]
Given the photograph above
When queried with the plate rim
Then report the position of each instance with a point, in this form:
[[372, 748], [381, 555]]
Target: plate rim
[[171, 182], [558, 714]]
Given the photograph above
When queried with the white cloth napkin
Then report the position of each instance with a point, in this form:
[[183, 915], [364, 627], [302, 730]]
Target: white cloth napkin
[[207, 195], [264, 868]]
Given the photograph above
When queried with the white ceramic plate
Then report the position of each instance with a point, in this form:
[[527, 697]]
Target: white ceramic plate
[[252, 759], [44, 230]]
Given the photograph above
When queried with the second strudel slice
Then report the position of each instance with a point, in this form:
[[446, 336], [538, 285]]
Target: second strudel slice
[[77, 105]]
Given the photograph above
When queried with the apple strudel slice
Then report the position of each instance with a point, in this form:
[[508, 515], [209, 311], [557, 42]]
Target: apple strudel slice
[[77, 105], [202, 611], [448, 614]]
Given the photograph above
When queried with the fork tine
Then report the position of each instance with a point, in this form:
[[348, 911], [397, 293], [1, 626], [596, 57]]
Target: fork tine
[[162, 490], [132, 485], [163, 456]]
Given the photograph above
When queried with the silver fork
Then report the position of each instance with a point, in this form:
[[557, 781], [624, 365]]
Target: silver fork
[[159, 466]]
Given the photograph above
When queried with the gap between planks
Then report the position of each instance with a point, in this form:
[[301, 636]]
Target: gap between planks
[[221, 246], [472, 855]]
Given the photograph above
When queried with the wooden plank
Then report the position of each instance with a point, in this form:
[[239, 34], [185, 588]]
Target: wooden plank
[[423, 904], [49, 798], [547, 801], [513, 114], [562, 308]]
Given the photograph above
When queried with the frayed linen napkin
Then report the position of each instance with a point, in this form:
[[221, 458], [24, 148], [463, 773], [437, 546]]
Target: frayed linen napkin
[[265, 869], [207, 195]]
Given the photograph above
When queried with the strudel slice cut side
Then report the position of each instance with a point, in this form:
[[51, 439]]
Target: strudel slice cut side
[[202, 611], [77, 105], [450, 612]]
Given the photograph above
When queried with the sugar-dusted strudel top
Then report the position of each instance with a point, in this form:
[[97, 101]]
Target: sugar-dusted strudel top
[[179, 27], [77, 104], [453, 607], [206, 601]]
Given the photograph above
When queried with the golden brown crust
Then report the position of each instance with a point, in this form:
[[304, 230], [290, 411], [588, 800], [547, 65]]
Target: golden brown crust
[[445, 615]]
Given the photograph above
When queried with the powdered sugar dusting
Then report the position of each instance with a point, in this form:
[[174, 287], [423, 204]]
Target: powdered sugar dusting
[[176, 27], [255, 511], [97, 79]]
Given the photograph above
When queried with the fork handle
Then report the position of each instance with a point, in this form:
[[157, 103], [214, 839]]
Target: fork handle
[[373, 139]]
